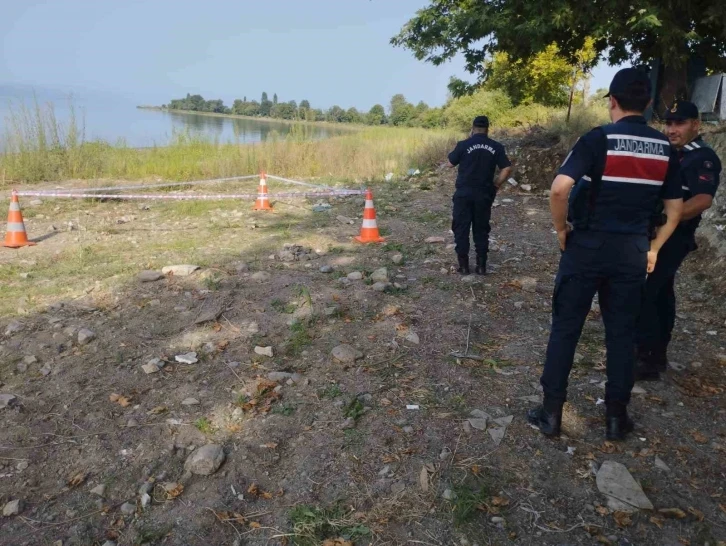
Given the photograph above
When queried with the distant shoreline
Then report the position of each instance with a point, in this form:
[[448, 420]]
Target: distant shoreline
[[349, 126]]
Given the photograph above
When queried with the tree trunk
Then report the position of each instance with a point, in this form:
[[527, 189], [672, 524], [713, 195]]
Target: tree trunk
[[572, 95], [672, 86], [586, 90]]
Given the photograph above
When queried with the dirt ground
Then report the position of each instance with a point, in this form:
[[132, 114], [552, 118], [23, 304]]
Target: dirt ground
[[377, 449]]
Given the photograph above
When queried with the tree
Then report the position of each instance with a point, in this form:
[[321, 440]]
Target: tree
[[352, 115], [461, 112], [265, 105], [335, 113], [641, 31], [376, 115], [304, 104], [274, 98], [401, 111]]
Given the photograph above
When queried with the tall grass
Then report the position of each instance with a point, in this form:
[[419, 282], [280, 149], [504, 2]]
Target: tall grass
[[38, 148]]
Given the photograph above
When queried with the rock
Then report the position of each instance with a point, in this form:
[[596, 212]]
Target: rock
[[383, 472], [660, 464], [36, 202], [264, 351], [99, 490], [432, 240], [150, 276], [179, 270], [528, 284], [150, 368], [241, 267], [346, 354], [331, 311], [13, 328], [479, 424], [497, 434], [344, 281], [397, 258], [676, 366], [696, 365], [286, 256], [470, 279], [412, 337], [261, 276], [206, 460], [29, 360], [45, 371], [85, 336], [22, 465], [326, 269], [637, 389], [278, 376], [381, 286], [345, 220], [190, 402], [21, 367], [479, 414], [408, 429], [145, 500], [497, 519], [8, 400], [13, 508], [355, 276], [109, 543], [380, 275], [504, 421], [526, 187], [448, 494], [623, 492], [518, 304], [391, 310], [187, 358], [128, 509]]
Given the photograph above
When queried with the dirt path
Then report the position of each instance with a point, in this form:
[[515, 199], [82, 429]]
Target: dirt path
[[328, 449]]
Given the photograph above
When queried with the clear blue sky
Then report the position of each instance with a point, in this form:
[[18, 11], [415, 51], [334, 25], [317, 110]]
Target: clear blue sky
[[148, 51]]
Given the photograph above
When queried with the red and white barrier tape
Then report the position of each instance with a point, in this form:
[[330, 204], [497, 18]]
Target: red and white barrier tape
[[207, 197]]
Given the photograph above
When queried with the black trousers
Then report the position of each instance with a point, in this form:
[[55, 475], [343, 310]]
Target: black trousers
[[472, 213], [658, 313], [614, 267]]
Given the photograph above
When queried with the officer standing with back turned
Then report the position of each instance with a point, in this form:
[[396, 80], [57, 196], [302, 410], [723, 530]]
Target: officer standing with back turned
[[619, 172], [700, 170], [477, 158]]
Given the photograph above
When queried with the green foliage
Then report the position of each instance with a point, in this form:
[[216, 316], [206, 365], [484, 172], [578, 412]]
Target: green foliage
[[196, 103], [460, 112], [203, 425], [330, 392], [311, 525], [468, 497], [401, 111], [376, 115]]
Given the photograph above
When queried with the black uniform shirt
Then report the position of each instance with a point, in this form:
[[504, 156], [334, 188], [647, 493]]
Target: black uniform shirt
[[477, 158], [700, 170]]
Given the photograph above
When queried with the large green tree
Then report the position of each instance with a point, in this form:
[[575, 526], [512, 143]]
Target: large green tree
[[639, 31]]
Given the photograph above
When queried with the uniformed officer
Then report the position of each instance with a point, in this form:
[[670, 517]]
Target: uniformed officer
[[477, 158], [619, 172], [700, 169]]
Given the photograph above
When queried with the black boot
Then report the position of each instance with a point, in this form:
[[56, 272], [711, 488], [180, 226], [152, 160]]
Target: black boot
[[547, 418], [463, 264], [659, 358], [646, 367], [617, 422], [481, 265]]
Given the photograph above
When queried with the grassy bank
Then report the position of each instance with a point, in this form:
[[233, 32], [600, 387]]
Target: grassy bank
[[38, 148]]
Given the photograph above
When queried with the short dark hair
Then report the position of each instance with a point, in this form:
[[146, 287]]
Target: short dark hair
[[635, 99]]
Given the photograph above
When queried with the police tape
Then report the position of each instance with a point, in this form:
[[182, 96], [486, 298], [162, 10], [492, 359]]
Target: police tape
[[189, 197]]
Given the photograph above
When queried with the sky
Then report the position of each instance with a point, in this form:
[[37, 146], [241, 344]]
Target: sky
[[149, 51]]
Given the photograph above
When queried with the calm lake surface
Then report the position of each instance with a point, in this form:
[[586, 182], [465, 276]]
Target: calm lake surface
[[114, 120]]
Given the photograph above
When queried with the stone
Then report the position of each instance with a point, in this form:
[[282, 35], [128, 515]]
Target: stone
[[526, 187], [676, 366], [264, 351], [408, 429], [518, 304], [8, 400], [497, 519], [85, 336], [187, 358], [150, 368], [36, 202], [179, 270], [479, 424], [206, 460], [286, 256], [326, 269], [355, 276], [22, 465], [622, 491], [241, 267], [45, 371], [345, 220], [380, 275], [109, 543], [433, 240], [30, 359], [150, 276], [479, 414], [397, 258], [261, 276], [128, 509], [448, 494], [346, 354], [528, 284], [13, 508], [381, 286], [13, 328], [344, 281], [278, 376], [190, 402], [131, 423], [637, 389], [21, 367], [504, 421], [145, 500], [497, 434], [383, 472], [412, 337], [99, 490], [696, 365], [660, 464]]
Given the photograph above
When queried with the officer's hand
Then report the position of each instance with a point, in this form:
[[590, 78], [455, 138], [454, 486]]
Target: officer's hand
[[652, 258], [562, 237]]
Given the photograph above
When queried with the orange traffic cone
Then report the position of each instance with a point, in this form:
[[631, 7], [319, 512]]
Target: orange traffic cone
[[262, 202], [369, 230], [16, 236]]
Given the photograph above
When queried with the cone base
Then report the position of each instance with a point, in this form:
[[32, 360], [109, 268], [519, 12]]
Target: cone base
[[378, 239], [268, 209], [18, 245]]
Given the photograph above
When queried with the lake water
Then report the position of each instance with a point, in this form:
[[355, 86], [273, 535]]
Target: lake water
[[112, 120]]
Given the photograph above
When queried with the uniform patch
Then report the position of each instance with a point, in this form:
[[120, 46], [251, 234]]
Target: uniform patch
[[708, 164]]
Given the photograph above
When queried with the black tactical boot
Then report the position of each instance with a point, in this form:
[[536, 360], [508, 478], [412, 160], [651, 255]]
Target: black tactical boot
[[617, 422], [646, 367], [463, 264], [659, 358], [481, 265], [547, 418]]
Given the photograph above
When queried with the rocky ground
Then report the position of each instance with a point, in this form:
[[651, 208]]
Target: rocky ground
[[298, 388]]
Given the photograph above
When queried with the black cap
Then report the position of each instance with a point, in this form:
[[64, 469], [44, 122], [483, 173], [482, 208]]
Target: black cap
[[481, 121], [630, 81], [681, 110]]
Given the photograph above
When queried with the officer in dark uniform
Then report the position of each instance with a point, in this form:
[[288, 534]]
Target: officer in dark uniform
[[619, 172], [477, 158], [700, 169]]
